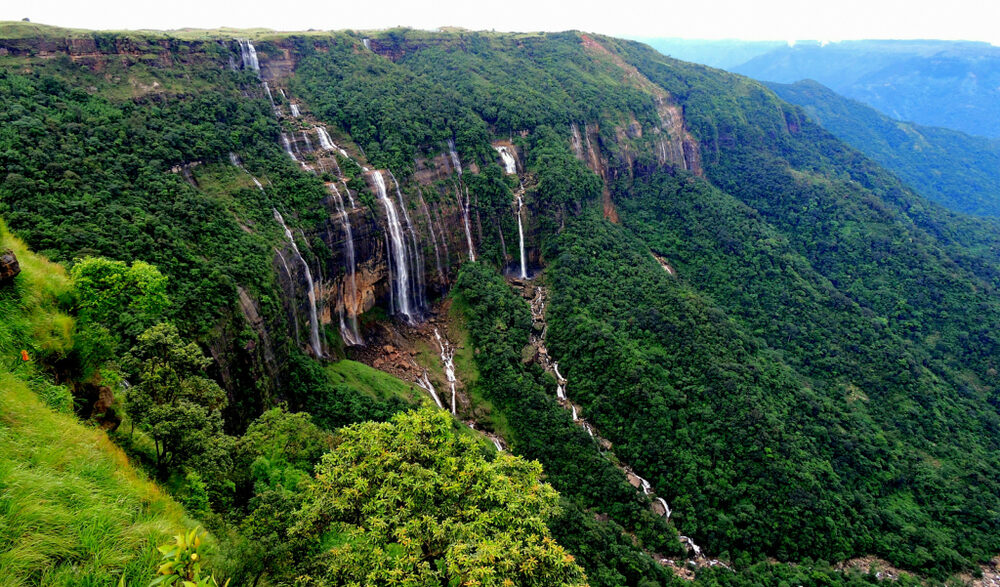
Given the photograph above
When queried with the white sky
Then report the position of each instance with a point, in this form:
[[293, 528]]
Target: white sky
[[696, 19]]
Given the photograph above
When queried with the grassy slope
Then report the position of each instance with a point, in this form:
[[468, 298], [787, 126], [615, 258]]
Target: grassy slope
[[73, 511]]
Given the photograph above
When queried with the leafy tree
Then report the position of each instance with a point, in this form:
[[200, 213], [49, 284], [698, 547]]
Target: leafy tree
[[409, 501], [172, 399]]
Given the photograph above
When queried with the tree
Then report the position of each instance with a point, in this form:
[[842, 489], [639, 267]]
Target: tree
[[171, 399], [119, 299], [410, 501]]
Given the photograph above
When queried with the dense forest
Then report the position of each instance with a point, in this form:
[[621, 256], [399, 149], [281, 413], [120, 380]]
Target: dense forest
[[260, 252], [956, 170]]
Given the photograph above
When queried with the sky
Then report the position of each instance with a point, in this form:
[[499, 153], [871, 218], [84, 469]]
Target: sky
[[824, 20]]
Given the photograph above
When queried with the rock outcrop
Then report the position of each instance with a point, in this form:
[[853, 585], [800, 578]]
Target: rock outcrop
[[9, 267]]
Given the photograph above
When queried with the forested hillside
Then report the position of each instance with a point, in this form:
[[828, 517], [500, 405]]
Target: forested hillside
[[477, 308], [956, 170]]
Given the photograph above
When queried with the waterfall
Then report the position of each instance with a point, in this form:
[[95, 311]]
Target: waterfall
[[448, 360], [288, 147], [666, 508], [575, 416], [309, 145], [465, 218], [520, 236], [401, 289], [267, 90], [430, 228], [249, 55], [455, 161], [257, 182], [347, 190], [288, 272], [509, 162], [282, 92], [313, 318], [577, 142], [295, 109], [234, 159], [367, 43], [416, 258], [324, 139], [425, 383], [351, 335], [560, 382], [497, 444], [232, 63]]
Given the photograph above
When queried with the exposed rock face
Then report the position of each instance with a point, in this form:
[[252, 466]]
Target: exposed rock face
[[9, 267]]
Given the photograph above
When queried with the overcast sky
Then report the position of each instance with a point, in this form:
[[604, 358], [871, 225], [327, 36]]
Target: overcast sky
[[697, 19]]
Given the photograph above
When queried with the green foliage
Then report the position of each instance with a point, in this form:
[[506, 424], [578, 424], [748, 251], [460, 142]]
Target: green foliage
[[411, 501], [951, 168], [172, 400], [73, 510], [182, 562], [123, 299], [500, 323]]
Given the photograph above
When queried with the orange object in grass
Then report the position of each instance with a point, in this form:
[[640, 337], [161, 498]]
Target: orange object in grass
[[24, 356]]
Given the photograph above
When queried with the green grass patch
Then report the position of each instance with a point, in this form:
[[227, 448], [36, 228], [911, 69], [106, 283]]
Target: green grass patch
[[374, 383], [73, 510]]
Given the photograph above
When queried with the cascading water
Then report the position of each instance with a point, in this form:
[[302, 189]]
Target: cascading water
[[520, 236], [288, 147], [425, 383], [465, 219], [313, 314], [325, 142], [455, 161], [416, 258], [249, 55], [448, 360], [267, 90], [309, 145], [560, 382], [430, 228], [349, 332], [295, 110], [509, 162], [401, 287]]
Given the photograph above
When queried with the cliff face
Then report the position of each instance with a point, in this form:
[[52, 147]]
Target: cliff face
[[439, 219]]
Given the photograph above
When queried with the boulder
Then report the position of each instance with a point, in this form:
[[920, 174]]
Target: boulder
[[9, 266]]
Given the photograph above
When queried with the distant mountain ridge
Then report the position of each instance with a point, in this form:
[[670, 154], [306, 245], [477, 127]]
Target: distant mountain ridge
[[956, 170], [954, 84]]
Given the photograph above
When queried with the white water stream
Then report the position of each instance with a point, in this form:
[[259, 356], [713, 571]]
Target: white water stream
[[313, 315]]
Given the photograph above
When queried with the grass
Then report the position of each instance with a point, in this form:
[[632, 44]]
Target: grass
[[373, 382], [32, 315], [73, 510]]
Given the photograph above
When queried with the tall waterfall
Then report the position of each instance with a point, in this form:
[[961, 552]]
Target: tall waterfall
[[270, 98], [448, 360], [416, 256], [350, 331], [309, 145], [295, 110], [249, 55], [455, 161], [313, 316], [465, 219], [430, 228], [520, 237], [509, 162], [401, 290]]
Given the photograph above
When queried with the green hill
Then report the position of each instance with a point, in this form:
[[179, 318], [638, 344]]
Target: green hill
[[796, 351], [951, 168], [73, 509]]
